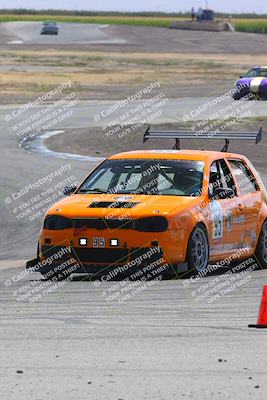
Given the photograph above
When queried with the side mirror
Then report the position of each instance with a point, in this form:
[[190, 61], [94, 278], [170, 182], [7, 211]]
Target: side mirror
[[221, 193], [69, 190]]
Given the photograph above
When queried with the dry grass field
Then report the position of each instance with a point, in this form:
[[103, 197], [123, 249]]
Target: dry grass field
[[96, 75]]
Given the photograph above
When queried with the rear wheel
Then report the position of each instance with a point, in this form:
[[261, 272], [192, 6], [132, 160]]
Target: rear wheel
[[198, 250], [261, 250]]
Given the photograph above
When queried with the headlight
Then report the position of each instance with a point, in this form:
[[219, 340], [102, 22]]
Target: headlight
[[57, 222], [151, 224]]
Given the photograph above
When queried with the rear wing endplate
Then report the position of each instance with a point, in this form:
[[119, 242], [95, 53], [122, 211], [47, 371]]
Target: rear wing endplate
[[226, 136]]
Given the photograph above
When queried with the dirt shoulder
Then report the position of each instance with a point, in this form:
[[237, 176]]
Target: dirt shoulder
[[93, 142], [101, 75]]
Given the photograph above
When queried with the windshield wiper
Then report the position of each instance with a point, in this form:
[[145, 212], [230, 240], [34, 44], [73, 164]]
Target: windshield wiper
[[96, 190]]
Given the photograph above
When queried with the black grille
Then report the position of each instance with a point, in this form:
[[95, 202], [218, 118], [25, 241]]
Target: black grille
[[105, 223], [105, 256], [112, 204]]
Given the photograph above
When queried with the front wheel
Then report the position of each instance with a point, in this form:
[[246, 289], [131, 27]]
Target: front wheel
[[239, 92], [261, 250], [198, 250]]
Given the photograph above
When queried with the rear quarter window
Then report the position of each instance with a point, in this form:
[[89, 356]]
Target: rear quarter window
[[244, 177]]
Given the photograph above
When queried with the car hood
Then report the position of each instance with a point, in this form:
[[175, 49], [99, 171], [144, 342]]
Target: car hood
[[123, 206]]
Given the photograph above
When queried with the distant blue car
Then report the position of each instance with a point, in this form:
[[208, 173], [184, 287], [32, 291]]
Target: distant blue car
[[49, 28], [254, 82]]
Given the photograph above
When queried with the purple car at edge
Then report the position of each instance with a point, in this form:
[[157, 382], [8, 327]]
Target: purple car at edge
[[253, 83]]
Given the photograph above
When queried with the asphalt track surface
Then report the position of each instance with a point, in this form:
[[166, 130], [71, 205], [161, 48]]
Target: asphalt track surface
[[73, 343], [159, 345], [176, 110], [131, 38], [29, 33]]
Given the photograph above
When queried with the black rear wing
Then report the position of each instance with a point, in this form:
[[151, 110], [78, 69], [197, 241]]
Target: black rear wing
[[226, 136]]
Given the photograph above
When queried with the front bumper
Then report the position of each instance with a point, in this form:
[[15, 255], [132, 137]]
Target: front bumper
[[112, 263], [97, 257], [172, 242]]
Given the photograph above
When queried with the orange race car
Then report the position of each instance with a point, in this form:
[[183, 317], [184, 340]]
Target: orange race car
[[184, 208]]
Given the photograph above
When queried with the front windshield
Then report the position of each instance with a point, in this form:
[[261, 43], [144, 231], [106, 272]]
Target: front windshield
[[257, 72], [146, 176]]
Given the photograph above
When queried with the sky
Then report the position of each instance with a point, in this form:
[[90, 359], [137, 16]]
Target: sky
[[231, 6]]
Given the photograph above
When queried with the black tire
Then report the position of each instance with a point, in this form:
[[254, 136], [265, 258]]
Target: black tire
[[240, 92], [198, 250], [261, 250]]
